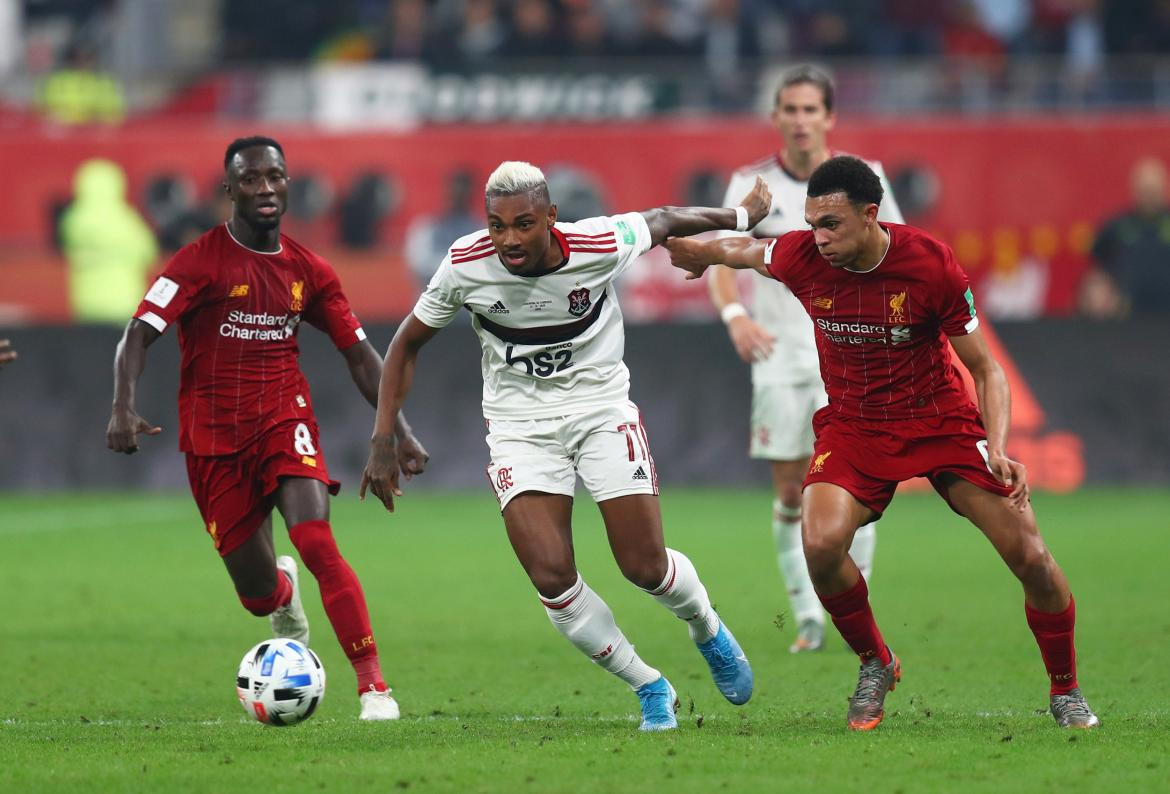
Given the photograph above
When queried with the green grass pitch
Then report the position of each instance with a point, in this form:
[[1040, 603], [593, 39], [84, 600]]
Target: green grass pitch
[[121, 635]]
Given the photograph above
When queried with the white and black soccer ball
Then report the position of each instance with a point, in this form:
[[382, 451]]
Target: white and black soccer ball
[[280, 682]]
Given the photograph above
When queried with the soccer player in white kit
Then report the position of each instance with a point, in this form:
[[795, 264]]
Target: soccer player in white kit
[[776, 337], [556, 401]]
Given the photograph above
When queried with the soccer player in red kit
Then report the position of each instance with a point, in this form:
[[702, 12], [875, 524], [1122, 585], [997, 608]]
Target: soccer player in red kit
[[246, 420], [885, 299]]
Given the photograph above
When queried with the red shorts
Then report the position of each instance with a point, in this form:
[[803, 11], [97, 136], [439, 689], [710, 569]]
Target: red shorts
[[235, 493], [869, 459]]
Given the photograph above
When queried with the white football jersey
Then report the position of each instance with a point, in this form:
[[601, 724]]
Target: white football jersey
[[552, 343], [794, 356]]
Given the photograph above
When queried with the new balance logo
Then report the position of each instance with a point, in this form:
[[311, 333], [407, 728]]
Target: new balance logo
[[498, 308], [640, 474]]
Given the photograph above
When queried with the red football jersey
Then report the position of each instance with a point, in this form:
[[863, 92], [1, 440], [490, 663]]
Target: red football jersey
[[238, 312], [882, 335]]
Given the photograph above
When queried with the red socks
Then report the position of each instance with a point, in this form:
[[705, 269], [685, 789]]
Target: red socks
[[854, 619], [1054, 635], [341, 593], [369, 673], [268, 604]]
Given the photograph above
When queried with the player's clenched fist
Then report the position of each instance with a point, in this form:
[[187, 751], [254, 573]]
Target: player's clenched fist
[[758, 202], [123, 429], [381, 474], [687, 254], [412, 457]]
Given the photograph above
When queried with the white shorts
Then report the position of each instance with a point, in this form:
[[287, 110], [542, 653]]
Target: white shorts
[[782, 419], [607, 447]]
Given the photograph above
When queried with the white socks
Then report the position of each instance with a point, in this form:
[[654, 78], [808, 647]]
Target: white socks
[[587, 622], [683, 594], [862, 550], [790, 554]]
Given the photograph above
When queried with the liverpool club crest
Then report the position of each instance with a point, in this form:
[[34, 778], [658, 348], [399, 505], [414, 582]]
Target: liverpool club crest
[[579, 302]]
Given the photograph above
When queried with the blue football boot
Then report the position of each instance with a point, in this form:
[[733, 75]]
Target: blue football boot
[[659, 703], [729, 667]]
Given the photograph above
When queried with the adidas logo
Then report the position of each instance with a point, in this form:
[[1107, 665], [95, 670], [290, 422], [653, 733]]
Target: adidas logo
[[640, 474], [498, 308]]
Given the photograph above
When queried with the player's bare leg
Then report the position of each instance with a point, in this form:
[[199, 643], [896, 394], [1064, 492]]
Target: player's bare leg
[[304, 504], [634, 526], [831, 517], [539, 528], [252, 565], [1048, 604], [809, 616], [1015, 536], [267, 585]]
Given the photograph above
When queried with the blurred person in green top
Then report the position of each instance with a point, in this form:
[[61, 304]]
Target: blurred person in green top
[[108, 245], [80, 93]]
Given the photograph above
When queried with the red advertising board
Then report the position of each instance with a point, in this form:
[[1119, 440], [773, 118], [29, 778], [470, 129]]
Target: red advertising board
[[1017, 198]]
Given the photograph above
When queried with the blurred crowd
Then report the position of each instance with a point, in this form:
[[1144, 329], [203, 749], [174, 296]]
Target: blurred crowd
[[468, 34], [455, 34], [961, 54]]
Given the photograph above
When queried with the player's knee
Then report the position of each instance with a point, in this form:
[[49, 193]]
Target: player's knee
[[314, 542], [261, 606], [646, 573], [552, 581], [255, 609], [823, 551], [789, 494], [1034, 566]]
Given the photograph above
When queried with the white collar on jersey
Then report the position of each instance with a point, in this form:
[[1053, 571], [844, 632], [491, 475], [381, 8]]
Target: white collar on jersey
[[279, 249]]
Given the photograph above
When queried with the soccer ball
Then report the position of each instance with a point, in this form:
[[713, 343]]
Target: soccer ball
[[280, 682]]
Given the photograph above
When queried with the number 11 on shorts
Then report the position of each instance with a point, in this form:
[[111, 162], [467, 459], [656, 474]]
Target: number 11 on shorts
[[635, 435]]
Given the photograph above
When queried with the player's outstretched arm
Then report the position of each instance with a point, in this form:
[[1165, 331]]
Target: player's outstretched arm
[[667, 222], [381, 474], [995, 404], [365, 367], [740, 253], [129, 362]]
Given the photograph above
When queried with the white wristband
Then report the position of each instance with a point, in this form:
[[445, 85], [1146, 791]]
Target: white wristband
[[731, 311], [741, 219]]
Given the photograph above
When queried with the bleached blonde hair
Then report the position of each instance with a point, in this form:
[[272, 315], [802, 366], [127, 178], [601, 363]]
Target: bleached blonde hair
[[515, 177]]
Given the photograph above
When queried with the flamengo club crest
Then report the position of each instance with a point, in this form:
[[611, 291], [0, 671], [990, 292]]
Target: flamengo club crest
[[579, 302]]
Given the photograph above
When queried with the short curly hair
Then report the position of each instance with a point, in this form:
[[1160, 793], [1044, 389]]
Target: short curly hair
[[848, 175], [239, 144]]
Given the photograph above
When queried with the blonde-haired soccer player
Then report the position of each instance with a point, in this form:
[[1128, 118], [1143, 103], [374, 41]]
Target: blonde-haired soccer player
[[556, 401]]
